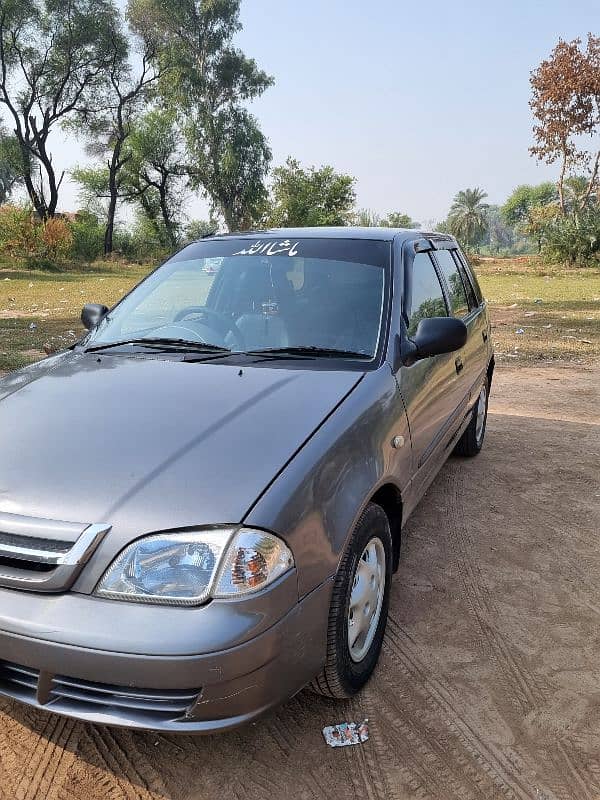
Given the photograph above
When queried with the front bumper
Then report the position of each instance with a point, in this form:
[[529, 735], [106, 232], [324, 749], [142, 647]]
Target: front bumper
[[202, 693]]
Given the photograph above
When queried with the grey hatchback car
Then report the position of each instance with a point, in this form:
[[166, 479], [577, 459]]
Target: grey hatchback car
[[201, 502]]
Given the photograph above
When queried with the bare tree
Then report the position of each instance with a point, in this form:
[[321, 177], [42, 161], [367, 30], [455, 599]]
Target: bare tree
[[53, 62], [566, 106]]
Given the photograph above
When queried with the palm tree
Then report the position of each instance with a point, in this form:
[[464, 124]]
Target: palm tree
[[467, 219]]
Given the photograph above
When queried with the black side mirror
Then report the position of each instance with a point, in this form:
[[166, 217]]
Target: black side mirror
[[92, 314], [434, 336]]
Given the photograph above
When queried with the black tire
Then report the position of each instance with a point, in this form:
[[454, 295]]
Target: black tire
[[470, 443], [342, 676]]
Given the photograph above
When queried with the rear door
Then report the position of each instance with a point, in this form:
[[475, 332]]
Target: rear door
[[465, 305]]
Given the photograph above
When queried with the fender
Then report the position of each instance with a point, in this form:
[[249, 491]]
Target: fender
[[315, 501]]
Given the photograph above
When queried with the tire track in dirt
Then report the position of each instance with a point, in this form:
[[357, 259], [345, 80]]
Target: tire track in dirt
[[132, 773], [371, 770], [454, 760], [571, 778], [35, 754], [49, 764]]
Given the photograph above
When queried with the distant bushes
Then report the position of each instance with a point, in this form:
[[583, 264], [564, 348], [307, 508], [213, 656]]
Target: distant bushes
[[88, 237], [574, 239], [72, 240], [40, 245]]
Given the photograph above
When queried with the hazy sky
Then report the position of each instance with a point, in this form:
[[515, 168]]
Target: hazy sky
[[416, 100]]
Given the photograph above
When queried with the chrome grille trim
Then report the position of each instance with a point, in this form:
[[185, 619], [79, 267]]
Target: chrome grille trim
[[30, 548], [64, 560]]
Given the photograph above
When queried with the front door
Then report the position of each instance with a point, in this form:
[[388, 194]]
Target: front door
[[431, 387]]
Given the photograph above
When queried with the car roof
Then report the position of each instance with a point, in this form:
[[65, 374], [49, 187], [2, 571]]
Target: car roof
[[341, 232]]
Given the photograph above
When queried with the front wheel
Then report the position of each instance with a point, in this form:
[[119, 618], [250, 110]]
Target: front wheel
[[359, 607]]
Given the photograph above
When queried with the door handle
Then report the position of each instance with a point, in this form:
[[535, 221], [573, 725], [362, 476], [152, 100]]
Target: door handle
[[459, 365]]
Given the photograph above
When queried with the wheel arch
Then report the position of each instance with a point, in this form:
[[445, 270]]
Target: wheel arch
[[490, 371], [389, 498]]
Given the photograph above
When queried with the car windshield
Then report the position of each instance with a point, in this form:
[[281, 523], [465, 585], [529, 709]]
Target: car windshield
[[248, 295]]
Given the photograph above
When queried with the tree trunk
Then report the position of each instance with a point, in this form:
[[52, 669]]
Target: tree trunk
[[113, 193], [561, 186], [110, 222], [164, 210], [229, 217], [591, 183]]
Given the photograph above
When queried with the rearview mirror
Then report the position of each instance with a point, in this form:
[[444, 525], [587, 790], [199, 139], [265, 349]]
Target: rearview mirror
[[92, 314], [434, 336]]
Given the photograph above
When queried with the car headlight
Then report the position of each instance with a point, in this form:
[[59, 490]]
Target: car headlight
[[185, 569]]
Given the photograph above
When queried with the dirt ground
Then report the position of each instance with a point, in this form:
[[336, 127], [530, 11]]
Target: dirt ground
[[489, 681]]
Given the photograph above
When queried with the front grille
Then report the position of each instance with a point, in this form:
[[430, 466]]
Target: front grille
[[80, 697]]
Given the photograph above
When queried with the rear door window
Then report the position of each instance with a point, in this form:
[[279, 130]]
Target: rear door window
[[462, 259], [473, 302], [456, 288], [427, 298]]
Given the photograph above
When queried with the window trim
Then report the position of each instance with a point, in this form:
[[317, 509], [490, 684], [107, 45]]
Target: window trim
[[471, 276], [469, 288]]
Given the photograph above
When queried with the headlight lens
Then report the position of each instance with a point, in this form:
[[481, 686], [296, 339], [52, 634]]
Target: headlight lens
[[185, 569]]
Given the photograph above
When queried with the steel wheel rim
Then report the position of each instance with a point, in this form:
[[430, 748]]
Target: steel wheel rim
[[366, 599], [481, 409]]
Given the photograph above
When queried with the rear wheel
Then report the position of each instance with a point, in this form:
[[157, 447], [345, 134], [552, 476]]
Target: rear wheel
[[359, 607], [471, 442]]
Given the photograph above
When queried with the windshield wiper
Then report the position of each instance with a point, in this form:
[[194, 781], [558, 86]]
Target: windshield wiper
[[163, 344], [308, 351]]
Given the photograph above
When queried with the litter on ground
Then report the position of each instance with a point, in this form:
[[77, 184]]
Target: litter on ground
[[346, 733]]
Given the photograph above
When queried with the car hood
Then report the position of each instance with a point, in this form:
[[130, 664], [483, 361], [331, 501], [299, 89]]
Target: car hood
[[147, 444]]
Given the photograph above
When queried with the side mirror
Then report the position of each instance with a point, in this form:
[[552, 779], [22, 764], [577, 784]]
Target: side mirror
[[92, 314], [434, 336]]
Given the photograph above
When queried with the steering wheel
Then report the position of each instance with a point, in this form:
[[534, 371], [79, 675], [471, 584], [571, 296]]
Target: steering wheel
[[224, 324]]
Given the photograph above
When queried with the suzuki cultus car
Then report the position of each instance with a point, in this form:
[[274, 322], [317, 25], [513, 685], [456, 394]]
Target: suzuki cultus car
[[201, 502]]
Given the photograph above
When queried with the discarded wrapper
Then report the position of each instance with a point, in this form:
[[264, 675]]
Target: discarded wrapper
[[346, 733]]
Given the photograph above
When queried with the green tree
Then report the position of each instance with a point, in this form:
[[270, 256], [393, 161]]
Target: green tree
[[310, 197], [53, 60], [524, 209], [367, 218], [229, 161], [500, 233], [467, 219], [398, 220], [10, 164], [126, 90], [198, 228], [209, 79], [153, 174], [525, 197]]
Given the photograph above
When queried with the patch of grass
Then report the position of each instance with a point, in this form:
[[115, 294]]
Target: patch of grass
[[51, 302], [563, 324]]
